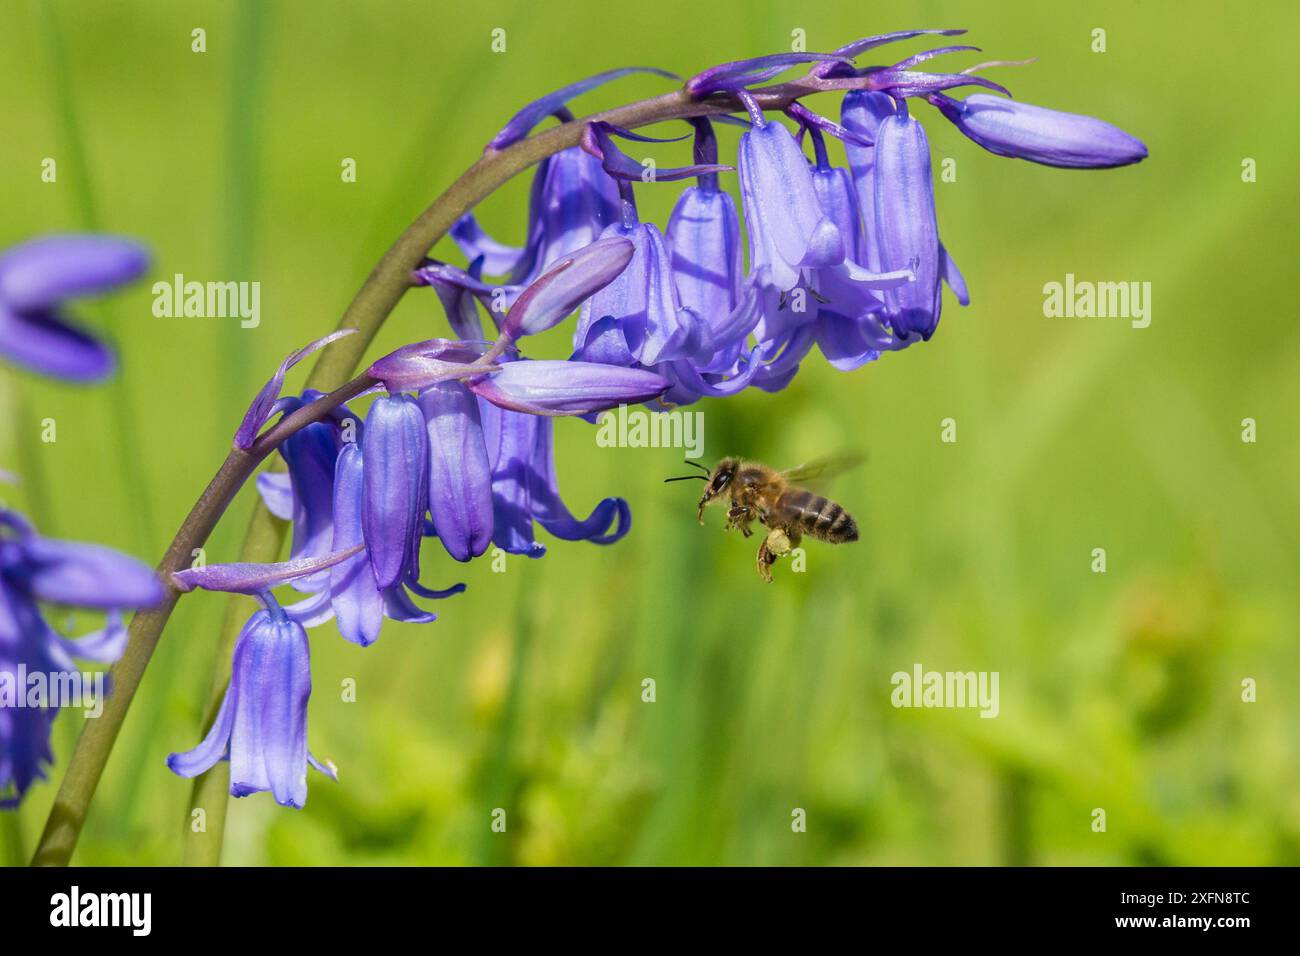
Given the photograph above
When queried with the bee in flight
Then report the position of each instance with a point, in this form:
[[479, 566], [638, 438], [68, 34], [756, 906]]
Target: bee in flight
[[775, 500]]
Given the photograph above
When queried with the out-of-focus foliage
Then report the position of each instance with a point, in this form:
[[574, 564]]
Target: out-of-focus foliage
[[1120, 691]]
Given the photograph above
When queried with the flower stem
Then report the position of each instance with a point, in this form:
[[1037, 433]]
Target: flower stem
[[378, 296]]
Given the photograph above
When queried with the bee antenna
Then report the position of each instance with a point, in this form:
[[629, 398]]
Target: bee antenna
[[686, 478], [696, 464]]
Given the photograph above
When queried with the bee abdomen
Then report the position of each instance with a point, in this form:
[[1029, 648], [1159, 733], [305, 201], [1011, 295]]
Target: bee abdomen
[[820, 517]]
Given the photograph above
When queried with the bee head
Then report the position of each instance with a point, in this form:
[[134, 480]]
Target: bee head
[[718, 482]]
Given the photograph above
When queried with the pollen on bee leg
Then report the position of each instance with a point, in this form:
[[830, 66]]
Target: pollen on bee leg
[[774, 545]]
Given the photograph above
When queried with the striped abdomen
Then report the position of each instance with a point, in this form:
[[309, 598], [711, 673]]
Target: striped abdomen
[[803, 511]]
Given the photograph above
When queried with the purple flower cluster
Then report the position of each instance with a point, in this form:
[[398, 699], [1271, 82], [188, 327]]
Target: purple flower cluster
[[848, 261], [36, 661], [457, 443], [456, 446]]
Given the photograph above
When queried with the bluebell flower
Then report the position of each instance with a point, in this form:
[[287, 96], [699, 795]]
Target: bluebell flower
[[788, 231], [460, 474], [1011, 128], [396, 449], [906, 227], [862, 112], [356, 600], [551, 297], [549, 388], [310, 455], [491, 468], [573, 201], [644, 298], [36, 280], [36, 570], [850, 326], [641, 320], [262, 724], [703, 237], [340, 573]]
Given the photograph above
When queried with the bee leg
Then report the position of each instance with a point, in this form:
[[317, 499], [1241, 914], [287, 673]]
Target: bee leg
[[738, 517], [774, 545]]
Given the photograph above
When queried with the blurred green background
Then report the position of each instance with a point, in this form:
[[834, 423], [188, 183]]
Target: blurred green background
[[1119, 691]]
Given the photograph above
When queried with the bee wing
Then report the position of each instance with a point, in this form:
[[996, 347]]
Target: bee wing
[[823, 469]]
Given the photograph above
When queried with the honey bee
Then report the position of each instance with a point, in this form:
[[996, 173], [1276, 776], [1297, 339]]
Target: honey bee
[[776, 500]]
